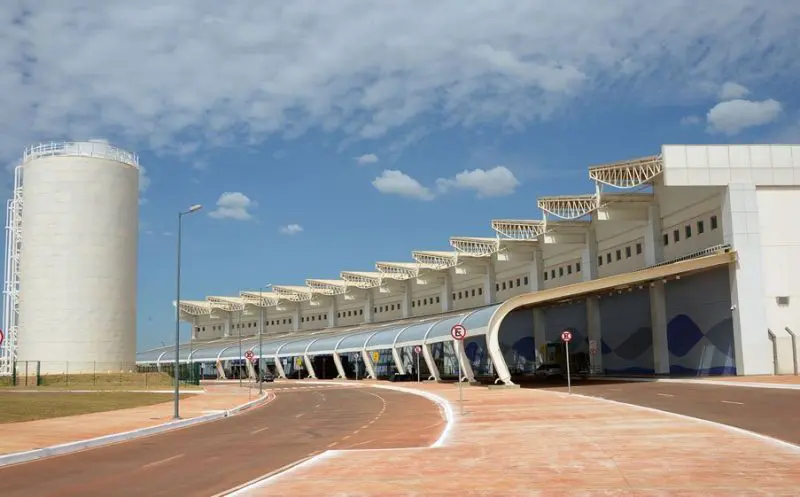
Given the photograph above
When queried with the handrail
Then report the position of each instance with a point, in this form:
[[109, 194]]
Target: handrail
[[98, 149], [795, 359]]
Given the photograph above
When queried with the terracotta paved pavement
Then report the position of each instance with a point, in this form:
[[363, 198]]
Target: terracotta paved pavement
[[532, 442], [28, 435]]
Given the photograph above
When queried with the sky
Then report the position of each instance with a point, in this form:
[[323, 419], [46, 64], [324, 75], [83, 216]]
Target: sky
[[326, 136]]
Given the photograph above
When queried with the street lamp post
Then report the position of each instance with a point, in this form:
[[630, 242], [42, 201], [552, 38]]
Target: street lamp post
[[191, 210], [262, 364]]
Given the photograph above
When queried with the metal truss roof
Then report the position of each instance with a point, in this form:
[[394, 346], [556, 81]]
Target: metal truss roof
[[327, 287], [195, 307], [362, 280], [260, 299], [628, 174], [398, 270], [475, 246], [293, 293], [228, 304], [569, 207], [435, 260], [520, 229]]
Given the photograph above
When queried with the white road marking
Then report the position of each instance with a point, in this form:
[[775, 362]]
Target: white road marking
[[162, 461], [732, 402], [259, 430], [299, 415], [665, 395]]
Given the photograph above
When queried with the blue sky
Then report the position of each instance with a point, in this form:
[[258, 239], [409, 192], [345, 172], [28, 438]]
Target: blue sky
[[468, 112]]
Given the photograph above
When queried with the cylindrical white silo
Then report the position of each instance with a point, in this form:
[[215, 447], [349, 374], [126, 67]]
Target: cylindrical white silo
[[78, 261]]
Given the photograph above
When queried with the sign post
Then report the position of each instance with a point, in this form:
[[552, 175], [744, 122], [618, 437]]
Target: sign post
[[566, 336], [418, 351], [459, 333]]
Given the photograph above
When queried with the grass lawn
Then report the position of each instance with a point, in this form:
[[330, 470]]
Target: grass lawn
[[99, 381], [28, 406]]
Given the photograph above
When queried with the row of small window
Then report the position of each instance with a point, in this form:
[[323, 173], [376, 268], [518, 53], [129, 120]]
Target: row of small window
[[274, 322], [618, 254], [687, 230], [506, 285], [385, 308], [561, 270], [425, 301], [315, 317], [350, 313]]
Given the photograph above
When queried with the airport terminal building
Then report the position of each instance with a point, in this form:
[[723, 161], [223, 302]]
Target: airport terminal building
[[680, 263]]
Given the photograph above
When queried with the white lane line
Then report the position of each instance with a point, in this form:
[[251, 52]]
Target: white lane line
[[259, 430], [162, 461], [732, 402], [299, 415], [665, 395]]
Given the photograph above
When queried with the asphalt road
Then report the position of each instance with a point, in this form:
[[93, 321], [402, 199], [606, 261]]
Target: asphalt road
[[214, 457], [768, 411]]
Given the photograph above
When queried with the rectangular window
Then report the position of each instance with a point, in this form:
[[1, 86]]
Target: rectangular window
[[687, 231], [627, 252], [638, 248], [518, 284], [608, 257], [361, 312], [552, 273], [700, 227], [480, 292], [437, 299], [424, 301], [577, 267], [454, 296], [569, 269], [713, 222], [545, 275], [666, 239], [619, 254], [497, 287], [526, 280], [504, 285], [413, 303], [599, 260], [676, 236], [473, 292], [560, 272]]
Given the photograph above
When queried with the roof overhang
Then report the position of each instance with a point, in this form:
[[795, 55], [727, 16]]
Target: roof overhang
[[293, 293], [398, 270], [362, 280], [259, 298], [194, 307], [435, 260], [629, 173], [227, 304], [327, 287]]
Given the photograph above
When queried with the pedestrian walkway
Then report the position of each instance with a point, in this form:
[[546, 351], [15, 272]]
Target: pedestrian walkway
[[29, 435], [519, 442]]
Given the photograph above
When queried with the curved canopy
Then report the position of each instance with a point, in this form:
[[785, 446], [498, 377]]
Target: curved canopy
[[363, 337]]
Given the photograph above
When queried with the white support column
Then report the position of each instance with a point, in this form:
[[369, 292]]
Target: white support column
[[309, 366], [589, 255], [228, 324], [194, 328], [251, 371], [281, 373], [369, 306], [654, 254], [406, 303], [296, 318], [398, 361], [220, 370], [447, 291], [428, 355], [539, 336], [333, 318], [740, 225], [658, 323], [337, 360], [536, 274], [466, 368], [490, 283], [368, 365]]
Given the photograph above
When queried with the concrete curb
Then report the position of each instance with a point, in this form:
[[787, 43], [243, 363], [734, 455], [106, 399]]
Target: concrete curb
[[687, 381], [69, 447]]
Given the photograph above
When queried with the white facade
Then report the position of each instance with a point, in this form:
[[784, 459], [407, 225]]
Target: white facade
[[78, 258], [677, 204]]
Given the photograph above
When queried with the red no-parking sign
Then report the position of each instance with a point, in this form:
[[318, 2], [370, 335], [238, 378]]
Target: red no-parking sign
[[2, 337], [566, 336], [417, 349], [248, 355], [458, 332]]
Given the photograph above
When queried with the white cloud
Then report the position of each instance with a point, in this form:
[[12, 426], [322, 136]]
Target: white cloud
[[733, 116], [732, 91], [203, 73], [496, 182], [233, 205], [291, 229], [392, 182], [144, 179], [367, 159], [690, 120]]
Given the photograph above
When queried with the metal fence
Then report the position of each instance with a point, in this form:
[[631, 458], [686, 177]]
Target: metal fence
[[96, 376]]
